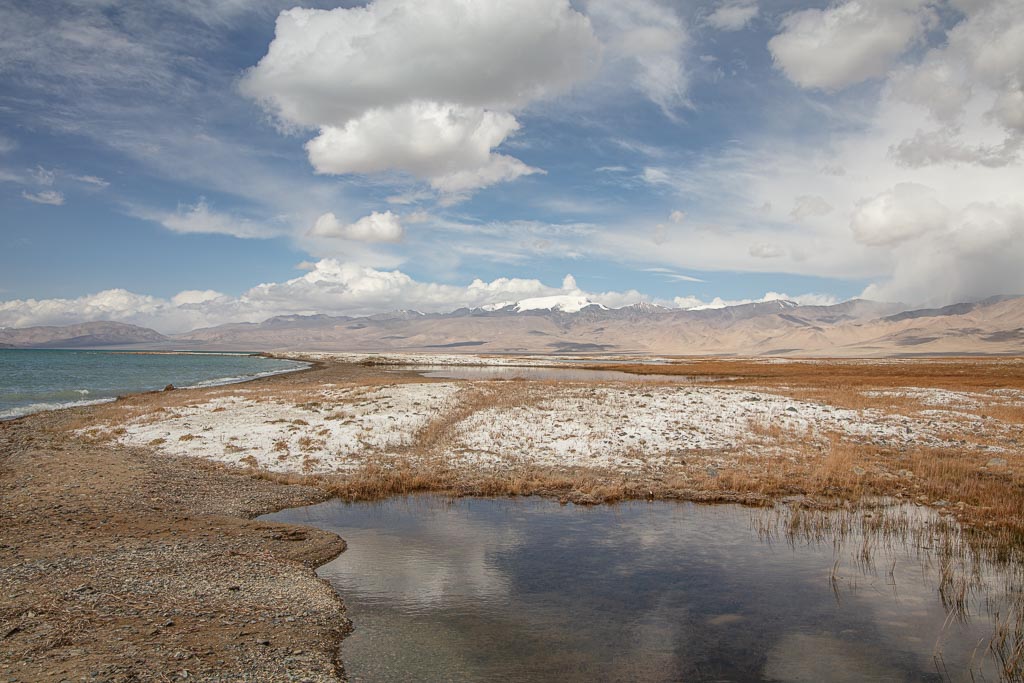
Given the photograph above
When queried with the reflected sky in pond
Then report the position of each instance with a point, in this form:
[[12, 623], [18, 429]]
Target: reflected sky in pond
[[526, 589]]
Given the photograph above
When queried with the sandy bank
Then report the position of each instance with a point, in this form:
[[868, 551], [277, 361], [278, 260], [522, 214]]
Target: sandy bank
[[117, 564]]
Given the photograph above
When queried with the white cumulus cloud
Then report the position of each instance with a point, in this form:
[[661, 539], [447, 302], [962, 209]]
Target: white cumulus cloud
[[427, 88], [377, 227], [190, 297], [329, 286], [848, 43], [445, 144], [973, 85], [896, 215]]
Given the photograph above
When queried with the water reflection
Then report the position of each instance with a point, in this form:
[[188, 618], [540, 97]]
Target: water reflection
[[525, 589]]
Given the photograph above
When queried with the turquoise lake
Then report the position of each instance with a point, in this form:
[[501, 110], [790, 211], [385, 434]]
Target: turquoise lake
[[34, 380]]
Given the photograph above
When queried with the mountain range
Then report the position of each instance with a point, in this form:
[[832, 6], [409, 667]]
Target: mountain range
[[567, 324]]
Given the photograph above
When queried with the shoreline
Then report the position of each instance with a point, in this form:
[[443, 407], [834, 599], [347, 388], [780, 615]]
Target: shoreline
[[54, 474], [159, 568], [36, 408]]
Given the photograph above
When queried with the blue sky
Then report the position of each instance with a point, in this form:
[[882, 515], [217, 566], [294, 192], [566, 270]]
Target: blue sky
[[189, 162]]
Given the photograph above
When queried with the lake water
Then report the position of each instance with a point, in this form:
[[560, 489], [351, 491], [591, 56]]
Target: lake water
[[529, 590], [32, 380]]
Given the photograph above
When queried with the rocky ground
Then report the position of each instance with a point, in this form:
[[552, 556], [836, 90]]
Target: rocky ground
[[120, 565]]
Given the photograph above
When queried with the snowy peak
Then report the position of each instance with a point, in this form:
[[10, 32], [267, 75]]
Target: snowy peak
[[566, 303], [401, 314], [645, 307]]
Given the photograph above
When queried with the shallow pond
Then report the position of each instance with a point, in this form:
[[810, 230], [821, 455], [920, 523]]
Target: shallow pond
[[527, 590], [565, 374]]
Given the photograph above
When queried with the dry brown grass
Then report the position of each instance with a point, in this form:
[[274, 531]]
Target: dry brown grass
[[377, 480], [954, 374], [1010, 413], [837, 467], [854, 398]]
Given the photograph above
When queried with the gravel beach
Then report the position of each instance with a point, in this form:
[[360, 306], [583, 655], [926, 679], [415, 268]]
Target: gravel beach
[[119, 565]]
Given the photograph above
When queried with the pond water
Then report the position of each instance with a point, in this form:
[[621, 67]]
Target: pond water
[[567, 374], [528, 590]]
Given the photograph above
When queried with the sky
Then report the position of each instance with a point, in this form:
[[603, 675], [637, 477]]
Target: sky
[[186, 163]]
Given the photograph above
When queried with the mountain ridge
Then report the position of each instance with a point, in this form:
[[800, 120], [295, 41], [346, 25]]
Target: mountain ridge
[[852, 328]]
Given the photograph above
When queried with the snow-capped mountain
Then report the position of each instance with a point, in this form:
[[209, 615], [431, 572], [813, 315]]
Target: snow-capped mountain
[[571, 323], [566, 303]]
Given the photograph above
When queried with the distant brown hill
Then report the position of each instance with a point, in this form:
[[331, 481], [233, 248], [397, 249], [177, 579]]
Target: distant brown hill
[[79, 336], [775, 328]]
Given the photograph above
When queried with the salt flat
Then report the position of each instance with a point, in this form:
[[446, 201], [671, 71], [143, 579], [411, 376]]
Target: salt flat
[[609, 426]]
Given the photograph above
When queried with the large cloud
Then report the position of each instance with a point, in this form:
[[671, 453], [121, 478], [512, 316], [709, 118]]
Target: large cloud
[[327, 67], [848, 43], [447, 145], [425, 88], [924, 180], [978, 253], [973, 86]]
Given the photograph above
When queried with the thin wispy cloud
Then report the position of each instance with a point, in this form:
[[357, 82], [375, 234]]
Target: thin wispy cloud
[[48, 197]]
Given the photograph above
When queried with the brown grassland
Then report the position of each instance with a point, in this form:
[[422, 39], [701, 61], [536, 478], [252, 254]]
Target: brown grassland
[[832, 467]]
